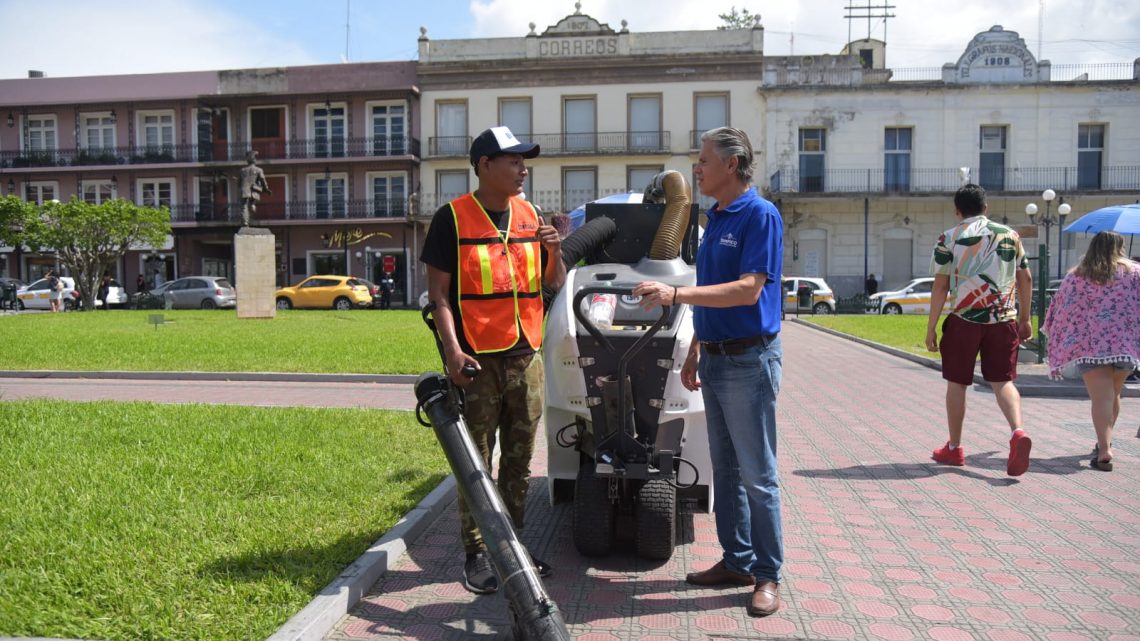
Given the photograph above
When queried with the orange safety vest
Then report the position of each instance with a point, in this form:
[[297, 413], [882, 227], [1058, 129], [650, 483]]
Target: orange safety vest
[[500, 288]]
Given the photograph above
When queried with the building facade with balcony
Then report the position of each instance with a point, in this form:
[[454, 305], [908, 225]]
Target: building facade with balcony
[[337, 143], [610, 108], [864, 166]]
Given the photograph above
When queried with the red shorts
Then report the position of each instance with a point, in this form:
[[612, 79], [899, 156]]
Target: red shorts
[[961, 342]]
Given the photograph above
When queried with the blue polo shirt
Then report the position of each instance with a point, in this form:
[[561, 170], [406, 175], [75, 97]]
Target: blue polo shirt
[[747, 237]]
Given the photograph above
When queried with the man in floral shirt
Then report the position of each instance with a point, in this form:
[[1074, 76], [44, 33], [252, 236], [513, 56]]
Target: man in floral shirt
[[984, 262]]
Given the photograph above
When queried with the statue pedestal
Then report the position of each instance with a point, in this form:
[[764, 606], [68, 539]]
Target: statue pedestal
[[255, 267]]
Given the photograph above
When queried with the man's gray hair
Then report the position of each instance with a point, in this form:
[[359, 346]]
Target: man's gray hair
[[729, 142]]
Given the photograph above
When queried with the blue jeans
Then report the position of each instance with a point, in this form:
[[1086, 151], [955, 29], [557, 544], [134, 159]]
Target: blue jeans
[[740, 407]]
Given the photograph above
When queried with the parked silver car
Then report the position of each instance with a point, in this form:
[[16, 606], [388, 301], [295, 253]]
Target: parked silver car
[[195, 292]]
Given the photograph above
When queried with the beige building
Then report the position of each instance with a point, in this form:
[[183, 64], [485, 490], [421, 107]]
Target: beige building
[[610, 107], [863, 160]]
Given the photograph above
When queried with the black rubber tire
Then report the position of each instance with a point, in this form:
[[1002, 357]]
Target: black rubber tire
[[284, 303], [342, 304], [655, 515], [593, 515], [208, 303], [69, 305], [20, 304], [892, 308], [821, 308]]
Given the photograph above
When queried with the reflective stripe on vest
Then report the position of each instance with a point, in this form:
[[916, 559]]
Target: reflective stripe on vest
[[499, 283]]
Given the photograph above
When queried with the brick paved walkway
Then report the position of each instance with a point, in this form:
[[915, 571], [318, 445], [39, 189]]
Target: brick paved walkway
[[881, 543]]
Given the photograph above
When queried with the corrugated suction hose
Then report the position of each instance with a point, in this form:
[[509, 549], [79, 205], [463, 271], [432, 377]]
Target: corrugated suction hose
[[671, 231]]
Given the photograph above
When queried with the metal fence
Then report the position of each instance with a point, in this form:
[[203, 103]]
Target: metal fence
[[1110, 178], [292, 210], [590, 143]]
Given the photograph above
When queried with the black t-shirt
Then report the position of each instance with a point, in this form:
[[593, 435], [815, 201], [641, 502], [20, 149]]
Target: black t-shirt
[[441, 250]]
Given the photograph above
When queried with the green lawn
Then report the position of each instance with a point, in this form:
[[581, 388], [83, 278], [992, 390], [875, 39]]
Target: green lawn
[[359, 341], [906, 332], [144, 521]]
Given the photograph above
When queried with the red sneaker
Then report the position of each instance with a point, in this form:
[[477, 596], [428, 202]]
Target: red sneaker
[[1019, 445], [947, 456]]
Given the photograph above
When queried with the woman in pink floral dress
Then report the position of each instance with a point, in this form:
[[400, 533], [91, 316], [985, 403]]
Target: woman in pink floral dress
[[1093, 330]]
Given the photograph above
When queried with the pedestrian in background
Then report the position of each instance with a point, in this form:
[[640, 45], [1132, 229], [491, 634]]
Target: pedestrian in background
[[140, 284], [985, 264], [871, 286], [735, 360], [1093, 327], [387, 285], [104, 289], [55, 290]]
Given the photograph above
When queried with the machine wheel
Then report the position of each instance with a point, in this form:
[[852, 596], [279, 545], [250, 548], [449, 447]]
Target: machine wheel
[[892, 308], [20, 304], [656, 517], [821, 308], [284, 303], [69, 305], [342, 304], [593, 517], [208, 303]]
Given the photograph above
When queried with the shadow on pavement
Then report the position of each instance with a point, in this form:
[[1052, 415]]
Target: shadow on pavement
[[992, 460]]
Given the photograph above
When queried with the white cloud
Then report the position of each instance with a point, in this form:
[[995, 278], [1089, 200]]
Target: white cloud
[[922, 34], [81, 38]]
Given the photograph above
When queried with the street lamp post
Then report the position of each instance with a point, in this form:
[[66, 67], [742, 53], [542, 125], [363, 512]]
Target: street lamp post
[[1049, 220]]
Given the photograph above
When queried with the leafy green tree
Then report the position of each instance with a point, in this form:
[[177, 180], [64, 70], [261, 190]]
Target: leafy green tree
[[744, 19], [14, 215], [89, 239]]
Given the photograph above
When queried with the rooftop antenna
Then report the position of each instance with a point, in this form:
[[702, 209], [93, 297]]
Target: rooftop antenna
[[347, 45], [1040, 27], [868, 11]]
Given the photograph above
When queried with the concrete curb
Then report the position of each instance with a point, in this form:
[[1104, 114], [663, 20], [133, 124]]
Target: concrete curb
[[269, 377], [1026, 389], [320, 616]]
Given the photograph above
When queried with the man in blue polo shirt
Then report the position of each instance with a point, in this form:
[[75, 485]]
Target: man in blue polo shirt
[[734, 360]]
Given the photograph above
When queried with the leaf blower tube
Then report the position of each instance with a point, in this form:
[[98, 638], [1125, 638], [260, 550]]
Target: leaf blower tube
[[534, 614], [671, 232], [586, 240]]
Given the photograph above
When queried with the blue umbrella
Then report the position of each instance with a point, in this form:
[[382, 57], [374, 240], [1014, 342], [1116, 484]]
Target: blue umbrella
[[578, 214], [1122, 219]]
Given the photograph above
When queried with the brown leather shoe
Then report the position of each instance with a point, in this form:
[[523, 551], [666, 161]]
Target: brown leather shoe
[[765, 599], [719, 574]]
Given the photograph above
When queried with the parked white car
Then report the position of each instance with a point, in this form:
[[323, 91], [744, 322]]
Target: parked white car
[[822, 296], [116, 295], [913, 298], [36, 294]]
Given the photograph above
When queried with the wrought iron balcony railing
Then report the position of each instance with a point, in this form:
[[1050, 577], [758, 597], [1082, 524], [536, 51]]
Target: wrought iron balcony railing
[[304, 149], [550, 201], [592, 143], [292, 210], [1027, 179], [317, 148]]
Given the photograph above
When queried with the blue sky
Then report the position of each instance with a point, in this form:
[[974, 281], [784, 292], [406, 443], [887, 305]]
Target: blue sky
[[85, 37]]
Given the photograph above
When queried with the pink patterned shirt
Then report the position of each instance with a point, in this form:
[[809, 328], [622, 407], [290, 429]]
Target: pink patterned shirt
[[1094, 324]]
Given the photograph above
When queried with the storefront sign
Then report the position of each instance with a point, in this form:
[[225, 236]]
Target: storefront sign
[[338, 238]]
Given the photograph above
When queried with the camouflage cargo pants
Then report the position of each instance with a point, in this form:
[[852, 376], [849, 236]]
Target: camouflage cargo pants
[[505, 402]]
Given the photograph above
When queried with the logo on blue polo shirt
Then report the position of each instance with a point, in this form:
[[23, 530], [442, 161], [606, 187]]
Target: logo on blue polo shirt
[[728, 240]]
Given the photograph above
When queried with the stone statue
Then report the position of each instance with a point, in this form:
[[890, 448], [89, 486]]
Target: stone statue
[[252, 186]]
